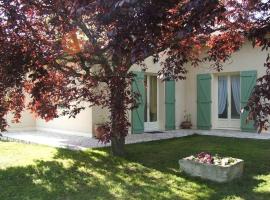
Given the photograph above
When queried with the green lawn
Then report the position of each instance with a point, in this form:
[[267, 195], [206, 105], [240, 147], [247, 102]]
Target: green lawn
[[150, 171]]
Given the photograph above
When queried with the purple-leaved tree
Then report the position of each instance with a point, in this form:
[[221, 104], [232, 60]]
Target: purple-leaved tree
[[61, 52]]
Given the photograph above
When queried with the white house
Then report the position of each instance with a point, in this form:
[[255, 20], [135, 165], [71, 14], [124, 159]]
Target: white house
[[213, 99]]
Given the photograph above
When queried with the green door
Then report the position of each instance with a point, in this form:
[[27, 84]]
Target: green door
[[170, 105], [204, 101], [137, 116], [248, 81]]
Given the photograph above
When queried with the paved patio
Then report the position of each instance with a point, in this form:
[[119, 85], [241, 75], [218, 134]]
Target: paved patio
[[77, 142]]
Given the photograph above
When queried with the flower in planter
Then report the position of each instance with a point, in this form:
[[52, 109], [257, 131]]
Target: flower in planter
[[204, 157], [227, 161], [207, 158]]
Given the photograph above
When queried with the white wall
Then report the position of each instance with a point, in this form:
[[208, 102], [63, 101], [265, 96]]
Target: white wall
[[100, 116], [186, 96], [246, 59], [85, 121], [27, 122], [81, 125], [180, 102]]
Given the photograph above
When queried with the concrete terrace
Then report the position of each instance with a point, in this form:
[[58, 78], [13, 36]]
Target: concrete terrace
[[82, 142]]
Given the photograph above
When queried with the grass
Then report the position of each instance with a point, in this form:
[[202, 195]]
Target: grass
[[150, 171]]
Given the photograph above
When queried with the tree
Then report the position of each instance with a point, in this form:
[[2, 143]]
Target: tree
[[259, 102], [63, 53]]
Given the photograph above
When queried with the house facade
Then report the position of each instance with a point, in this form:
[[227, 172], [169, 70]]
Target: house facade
[[212, 99]]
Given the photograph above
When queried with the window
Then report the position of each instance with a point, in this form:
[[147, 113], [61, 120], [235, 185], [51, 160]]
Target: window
[[229, 97]]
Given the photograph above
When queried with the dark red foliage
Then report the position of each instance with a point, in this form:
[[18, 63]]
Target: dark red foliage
[[259, 102], [65, 52]]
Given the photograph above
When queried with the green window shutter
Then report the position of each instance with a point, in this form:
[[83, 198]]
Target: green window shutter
[[204, 101], [137, 116], [170, 105], [248, 81]]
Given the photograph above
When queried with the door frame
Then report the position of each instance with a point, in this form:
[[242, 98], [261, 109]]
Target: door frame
[[235, 124], [152, 126]]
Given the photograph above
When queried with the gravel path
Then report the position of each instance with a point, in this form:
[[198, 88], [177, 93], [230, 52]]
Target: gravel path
[[78, 142]]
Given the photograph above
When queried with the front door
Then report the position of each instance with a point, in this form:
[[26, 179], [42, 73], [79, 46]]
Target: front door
[[151, 103], [228, 107]]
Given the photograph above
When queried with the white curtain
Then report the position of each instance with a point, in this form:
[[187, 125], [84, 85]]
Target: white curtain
[[222, 94], [236, 92]]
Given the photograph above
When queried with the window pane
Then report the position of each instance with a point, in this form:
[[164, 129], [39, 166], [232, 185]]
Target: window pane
[[153, 98], [222, 97], [235, 97]]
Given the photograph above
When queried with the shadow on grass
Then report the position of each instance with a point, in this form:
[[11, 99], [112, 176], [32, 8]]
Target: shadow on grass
[[91, 175], [150, 171], [164, 156]]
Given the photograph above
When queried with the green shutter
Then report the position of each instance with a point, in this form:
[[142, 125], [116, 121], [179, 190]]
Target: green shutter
[[204, 101], [248, 81], [137, 116], [170, 105]]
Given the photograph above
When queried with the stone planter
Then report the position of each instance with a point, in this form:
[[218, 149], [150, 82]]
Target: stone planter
[[212, 172]]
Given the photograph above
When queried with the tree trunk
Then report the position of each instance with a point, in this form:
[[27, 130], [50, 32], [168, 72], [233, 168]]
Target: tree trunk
[[118, 146], [119, 120]]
